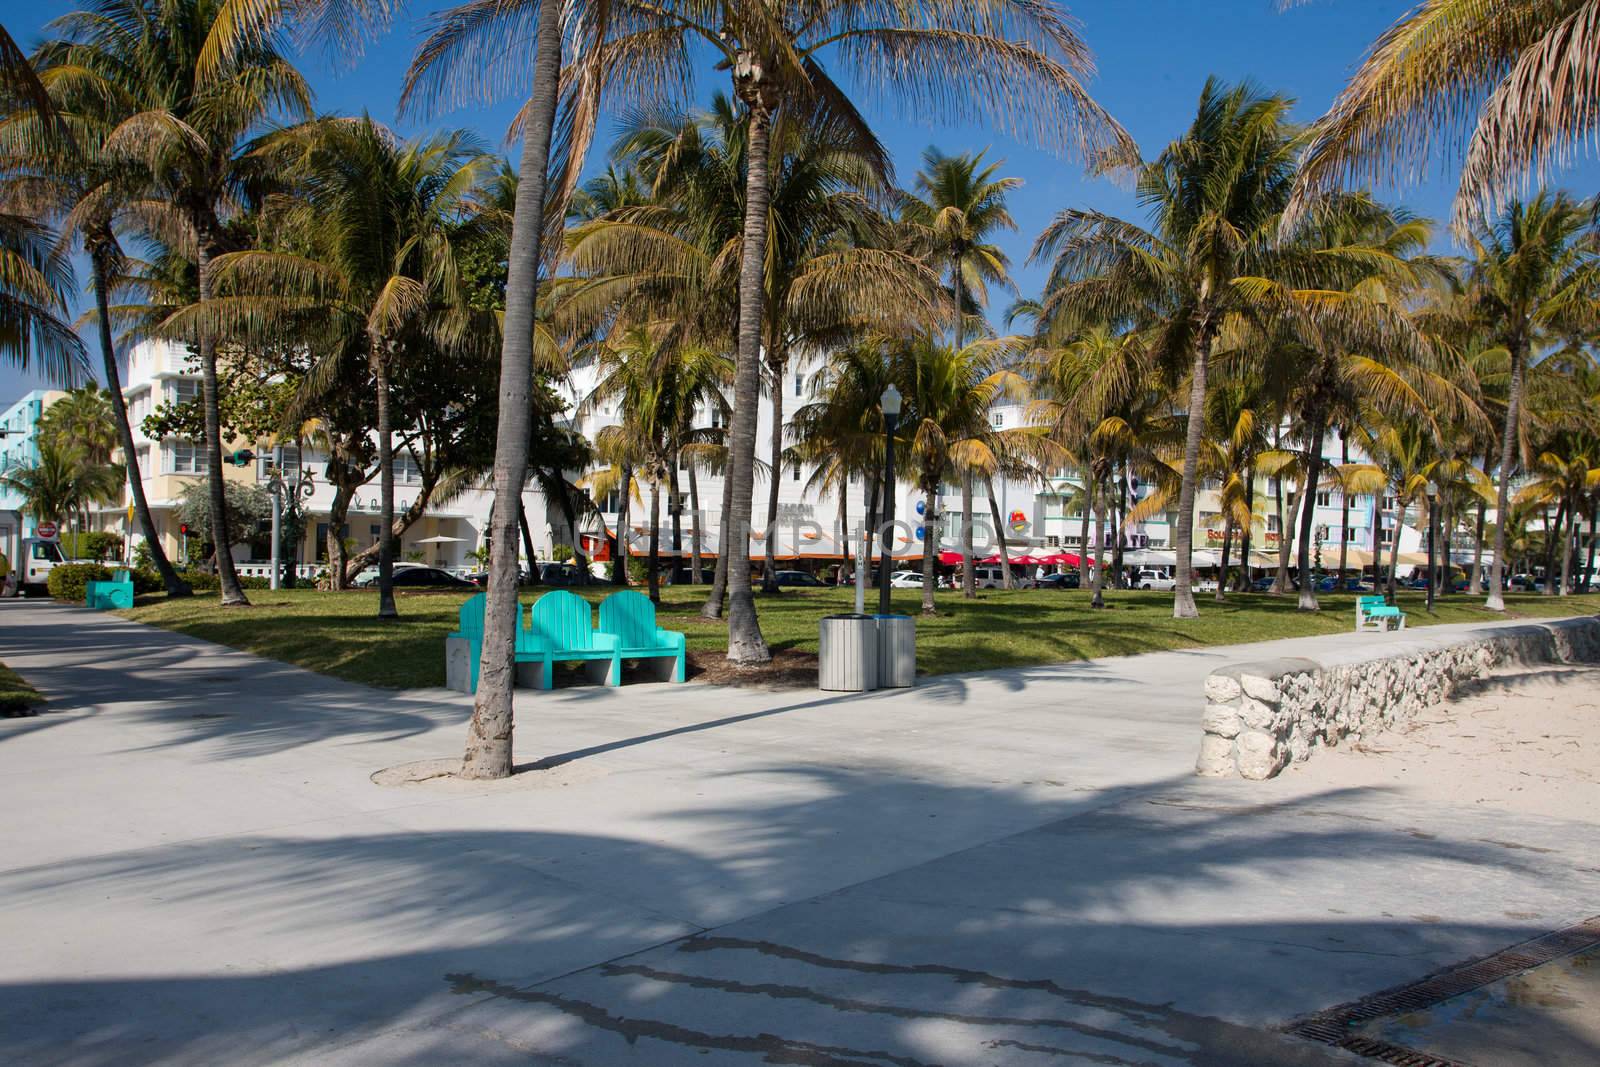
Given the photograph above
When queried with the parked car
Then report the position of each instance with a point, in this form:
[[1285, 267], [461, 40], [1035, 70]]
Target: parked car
[[798, 578], [560, 574], [369, 575], [1263, 584], [1069, 580], [413, 577], [1154, 580], [905, 580]]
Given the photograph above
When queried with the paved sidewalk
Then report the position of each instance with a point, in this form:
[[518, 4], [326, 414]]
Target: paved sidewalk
[[1016, 867]]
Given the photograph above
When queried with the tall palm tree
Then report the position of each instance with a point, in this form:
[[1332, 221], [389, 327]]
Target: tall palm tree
[[58, 166], [1502, 85], [1215, 196], [1566, 475], [957, 205], [932, 53], [1534, 276], [194, 102], [83, 420], [944, 425], [63, 483], [380, 222]]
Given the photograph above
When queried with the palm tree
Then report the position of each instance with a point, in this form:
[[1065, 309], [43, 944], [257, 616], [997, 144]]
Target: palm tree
[[1215, 195], [193, 100], [380, 222], [35, 277], [83, 420], [63, 483], [58, 166], [1565, 475], [1533, 277], [957, 206], [932, 53], [1503, 85], [944, 426]]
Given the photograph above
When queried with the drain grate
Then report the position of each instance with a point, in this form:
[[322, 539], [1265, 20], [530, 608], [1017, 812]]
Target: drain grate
[[1333, 1026]]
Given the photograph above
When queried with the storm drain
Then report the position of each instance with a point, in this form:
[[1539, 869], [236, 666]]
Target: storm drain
[[1334, 1026]]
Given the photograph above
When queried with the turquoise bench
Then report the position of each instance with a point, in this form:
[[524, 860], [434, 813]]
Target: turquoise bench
[[117, 593], [630, 618], [1374, 613], [560, 629], [470, 629]]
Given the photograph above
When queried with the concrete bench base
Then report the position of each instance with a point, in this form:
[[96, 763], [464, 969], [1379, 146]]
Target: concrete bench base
[[458, 664]]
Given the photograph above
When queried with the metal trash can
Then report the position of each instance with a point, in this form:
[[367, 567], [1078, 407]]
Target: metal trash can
[[847, 653], [897, 651]]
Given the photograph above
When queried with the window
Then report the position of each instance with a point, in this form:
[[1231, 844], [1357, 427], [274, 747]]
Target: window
[[1325, 499], [1386, 536], [799, 384], [997, 419], [797, 472], [183, 457], [1272, 524], [405, 468], [1390, 503], [1352, 534], [717, 422], [291, 464], [183, 390]]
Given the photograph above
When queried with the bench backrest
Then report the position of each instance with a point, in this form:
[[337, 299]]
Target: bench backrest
[[1371, 602], [631, 617], [563, 620], [122, 576], [471, 624]]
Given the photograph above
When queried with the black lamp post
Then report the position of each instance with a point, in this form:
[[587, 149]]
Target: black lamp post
[[891, 418], [1433, 514]]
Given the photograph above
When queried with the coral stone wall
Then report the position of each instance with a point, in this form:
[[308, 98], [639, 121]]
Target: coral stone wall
[[1261, 716]]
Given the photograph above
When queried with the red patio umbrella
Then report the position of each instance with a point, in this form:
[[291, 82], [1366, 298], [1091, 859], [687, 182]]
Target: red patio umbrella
[[1059, 559], [950, 559]]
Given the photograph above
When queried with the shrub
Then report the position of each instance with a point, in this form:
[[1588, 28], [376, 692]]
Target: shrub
[[98, 545], [146, 580], [143, 558], [206, 582], [70, 580]]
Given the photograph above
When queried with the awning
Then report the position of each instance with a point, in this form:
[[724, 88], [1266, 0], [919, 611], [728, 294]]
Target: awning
[[1149, 557]]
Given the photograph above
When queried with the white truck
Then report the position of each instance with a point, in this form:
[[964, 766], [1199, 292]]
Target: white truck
[[37, 558]]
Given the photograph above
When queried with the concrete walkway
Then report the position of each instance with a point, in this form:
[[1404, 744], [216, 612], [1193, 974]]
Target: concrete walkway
[[1016, 867]]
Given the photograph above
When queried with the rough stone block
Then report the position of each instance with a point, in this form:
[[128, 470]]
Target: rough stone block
[[1220, 688], [1256, 714], [1222, 720], [1260, 755], [1216, 757], [1262, 688]]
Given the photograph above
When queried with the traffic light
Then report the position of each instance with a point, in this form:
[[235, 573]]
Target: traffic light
[[242, 458], [183, 528]]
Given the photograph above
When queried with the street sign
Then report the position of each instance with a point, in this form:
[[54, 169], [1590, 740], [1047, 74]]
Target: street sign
[[45, 531]]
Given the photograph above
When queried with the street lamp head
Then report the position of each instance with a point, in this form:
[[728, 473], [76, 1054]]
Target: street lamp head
[[891, 403], [1432, 490]]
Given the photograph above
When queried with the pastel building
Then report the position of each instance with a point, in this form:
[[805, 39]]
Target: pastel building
[[19, 448]]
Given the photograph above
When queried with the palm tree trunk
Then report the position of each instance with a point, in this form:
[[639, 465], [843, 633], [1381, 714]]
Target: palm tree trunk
[[969, 577], [1308, 514], [1099, 598], [843, 539], [712, 608], [619, 569], [653, 577], [1087, 505], [1344, 505], [930, 544], [569, 515], [699, 521], [228, 577], [380, 373], [1567, 551], [1476, 586], [676, 512], [1394, 546], [1000, 537], [1508, 460], [1447, 525], [769, 558], [489, 737], [746, 646], [1243, 584], [1280, 581], [174, 585], [1594, 527], [1552, 535], [864, 558], [1227, 547], [1183, 606], [527, 539], [1120, 532]]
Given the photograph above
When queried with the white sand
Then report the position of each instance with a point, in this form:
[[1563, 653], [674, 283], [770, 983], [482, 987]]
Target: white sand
[[1525, 740]]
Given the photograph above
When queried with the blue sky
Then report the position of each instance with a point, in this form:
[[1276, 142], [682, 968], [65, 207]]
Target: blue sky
[[1153, 55]]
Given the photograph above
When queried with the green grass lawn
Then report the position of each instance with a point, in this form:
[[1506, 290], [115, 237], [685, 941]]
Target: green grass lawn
[[337, 633], [16, 695]]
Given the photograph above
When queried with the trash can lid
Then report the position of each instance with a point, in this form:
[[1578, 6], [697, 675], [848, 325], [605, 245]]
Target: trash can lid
[[847, 615], [892, 615]]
